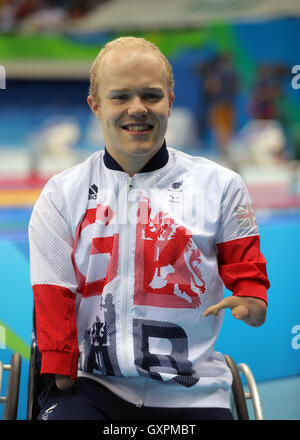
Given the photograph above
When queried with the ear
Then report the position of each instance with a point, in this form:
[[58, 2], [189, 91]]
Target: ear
[[94, 106], [171, 100]]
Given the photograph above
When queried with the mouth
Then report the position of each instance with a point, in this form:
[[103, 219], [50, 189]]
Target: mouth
[[138, 128]]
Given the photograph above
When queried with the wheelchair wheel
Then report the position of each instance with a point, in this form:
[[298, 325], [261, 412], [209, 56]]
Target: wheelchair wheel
[[237, 390]]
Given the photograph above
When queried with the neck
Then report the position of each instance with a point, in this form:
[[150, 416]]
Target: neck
[[135, 164]]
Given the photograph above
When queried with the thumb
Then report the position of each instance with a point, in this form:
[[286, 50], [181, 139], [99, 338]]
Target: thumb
[[240, 312], [63, 382]]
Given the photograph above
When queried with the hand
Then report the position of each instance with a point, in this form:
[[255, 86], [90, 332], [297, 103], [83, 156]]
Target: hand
[[248, 309], [63, 382]]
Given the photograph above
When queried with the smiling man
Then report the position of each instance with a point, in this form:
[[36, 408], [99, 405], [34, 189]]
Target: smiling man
[[130, 252], [132, 95]]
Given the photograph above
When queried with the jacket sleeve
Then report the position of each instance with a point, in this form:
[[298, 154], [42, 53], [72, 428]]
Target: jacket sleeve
[[54, 282], [242, 266]]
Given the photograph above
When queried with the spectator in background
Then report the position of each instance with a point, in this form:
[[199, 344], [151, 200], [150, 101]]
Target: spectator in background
[[269, 113], [266, 92], [220, 84], [79, 8], [11, 11], [40, 15], [203, 71]]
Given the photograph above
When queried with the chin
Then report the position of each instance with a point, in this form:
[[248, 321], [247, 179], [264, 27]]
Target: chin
[[140, 149]]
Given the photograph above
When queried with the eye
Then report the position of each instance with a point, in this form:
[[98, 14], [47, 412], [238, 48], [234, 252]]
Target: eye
[[152, 97], [120, 98]]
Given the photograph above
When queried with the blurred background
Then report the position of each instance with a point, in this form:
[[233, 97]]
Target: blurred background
[[237, 101]]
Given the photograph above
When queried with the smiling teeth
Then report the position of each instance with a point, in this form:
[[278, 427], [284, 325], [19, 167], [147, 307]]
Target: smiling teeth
[[138, 127]]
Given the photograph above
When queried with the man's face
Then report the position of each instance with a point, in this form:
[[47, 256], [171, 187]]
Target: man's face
[[134, 104]]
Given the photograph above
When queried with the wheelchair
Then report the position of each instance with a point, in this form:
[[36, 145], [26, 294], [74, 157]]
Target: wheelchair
[[239, 395], [11, 399]]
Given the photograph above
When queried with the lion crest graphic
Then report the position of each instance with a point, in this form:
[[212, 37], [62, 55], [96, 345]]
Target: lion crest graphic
[[168, 263]]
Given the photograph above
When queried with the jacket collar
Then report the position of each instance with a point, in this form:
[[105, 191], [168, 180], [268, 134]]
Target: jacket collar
[[155, 163]]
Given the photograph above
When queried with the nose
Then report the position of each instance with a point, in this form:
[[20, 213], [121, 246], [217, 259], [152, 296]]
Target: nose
[[136, 107]]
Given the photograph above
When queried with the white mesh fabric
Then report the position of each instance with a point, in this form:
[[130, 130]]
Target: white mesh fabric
[[235, 196], [51, 241]]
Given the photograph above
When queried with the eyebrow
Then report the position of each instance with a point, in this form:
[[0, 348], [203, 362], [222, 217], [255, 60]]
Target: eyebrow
[[146, 89]]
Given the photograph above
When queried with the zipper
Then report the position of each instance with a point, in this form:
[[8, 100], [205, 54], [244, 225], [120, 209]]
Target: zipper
[[130, 183], [140, 403], [125, 295]]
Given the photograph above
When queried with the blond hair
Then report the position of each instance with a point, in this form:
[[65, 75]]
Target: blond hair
[[127, 42]]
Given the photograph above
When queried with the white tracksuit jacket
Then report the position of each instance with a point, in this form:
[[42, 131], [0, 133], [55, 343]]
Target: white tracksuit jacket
[[123, 268]]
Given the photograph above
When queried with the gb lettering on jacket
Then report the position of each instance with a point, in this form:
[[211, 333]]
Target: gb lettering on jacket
[[140, 256]]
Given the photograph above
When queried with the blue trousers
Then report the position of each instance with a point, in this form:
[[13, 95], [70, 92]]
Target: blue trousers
[[89, 400]]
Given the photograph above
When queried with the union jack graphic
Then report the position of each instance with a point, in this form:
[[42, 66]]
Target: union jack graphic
[[246, 216]]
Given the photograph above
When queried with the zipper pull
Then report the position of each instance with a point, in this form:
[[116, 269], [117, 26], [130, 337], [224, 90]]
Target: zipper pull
[[130, 183], [140, 404]]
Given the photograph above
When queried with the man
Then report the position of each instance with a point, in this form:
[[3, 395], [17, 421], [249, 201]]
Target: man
[[128, 254]]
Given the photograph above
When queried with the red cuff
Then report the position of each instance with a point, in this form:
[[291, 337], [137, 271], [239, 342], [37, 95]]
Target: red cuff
[[250, 288], [55, 362], [242, 267]]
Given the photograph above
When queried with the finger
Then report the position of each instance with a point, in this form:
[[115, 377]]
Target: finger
[[213, 310], [224, 304]]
